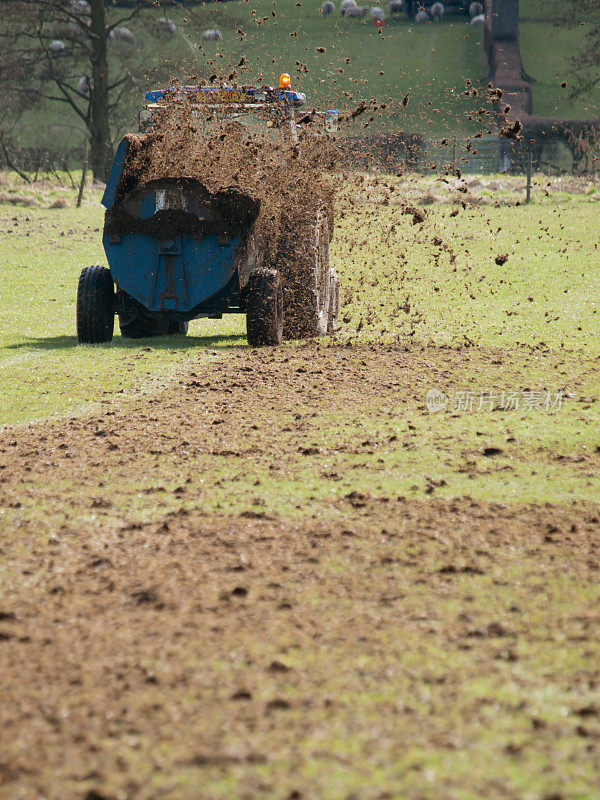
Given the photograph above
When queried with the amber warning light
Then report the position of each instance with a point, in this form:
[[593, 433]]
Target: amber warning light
[[285, 81]]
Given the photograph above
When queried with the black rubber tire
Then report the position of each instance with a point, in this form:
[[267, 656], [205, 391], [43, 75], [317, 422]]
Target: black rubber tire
[[137, 326], [178, 327], [95, 305], [264, 308], [304, 259], [136, 322]]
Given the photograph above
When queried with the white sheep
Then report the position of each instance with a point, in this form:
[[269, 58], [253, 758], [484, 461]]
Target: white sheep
[[421, 16], [396, 6], [377, 13], [84, 86], [166, 26], [478, 20], [212, 35], [80, 7], [437, 11], [475, 9], [327, 8], [345, 5], [57, 46], [122, 35]]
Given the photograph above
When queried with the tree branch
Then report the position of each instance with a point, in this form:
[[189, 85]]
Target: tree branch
[[131, 15], [75, 108], [60, 9], [10, 164], [122, 80]]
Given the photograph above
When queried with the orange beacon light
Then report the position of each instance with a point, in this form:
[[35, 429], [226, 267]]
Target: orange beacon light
[[285, 81]]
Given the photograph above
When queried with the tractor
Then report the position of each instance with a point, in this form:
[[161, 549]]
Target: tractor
[[178, 251]]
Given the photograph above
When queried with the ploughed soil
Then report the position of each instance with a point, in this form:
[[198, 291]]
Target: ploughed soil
[[154, 646]]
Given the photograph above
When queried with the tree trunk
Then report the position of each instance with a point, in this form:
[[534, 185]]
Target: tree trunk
[[101, 154]]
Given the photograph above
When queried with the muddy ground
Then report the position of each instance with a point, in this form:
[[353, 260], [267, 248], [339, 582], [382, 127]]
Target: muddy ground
[[362, 643]]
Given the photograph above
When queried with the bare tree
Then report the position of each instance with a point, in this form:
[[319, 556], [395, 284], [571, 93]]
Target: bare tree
[[61, 49], [11, 109], [585, 64]]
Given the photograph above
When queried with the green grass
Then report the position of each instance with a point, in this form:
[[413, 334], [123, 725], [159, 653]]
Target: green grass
[[547, 50], [434, 285], [546, 294]]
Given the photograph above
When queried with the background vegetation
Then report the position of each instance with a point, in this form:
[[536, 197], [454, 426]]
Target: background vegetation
[[432, 63]]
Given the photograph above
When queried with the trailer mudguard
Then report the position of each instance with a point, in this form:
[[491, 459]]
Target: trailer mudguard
[[110, 192]]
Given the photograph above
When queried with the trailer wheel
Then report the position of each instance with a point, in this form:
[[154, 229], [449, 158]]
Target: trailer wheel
[[178, 327], [136, 326], [264, 308], [95, 305], [333, 322], [306, 277]]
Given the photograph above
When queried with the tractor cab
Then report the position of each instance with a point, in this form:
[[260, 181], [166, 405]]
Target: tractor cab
[[266, 110]]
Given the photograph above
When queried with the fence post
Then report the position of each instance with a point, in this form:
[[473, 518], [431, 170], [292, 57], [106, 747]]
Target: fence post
[[529, 165], [83, 171]]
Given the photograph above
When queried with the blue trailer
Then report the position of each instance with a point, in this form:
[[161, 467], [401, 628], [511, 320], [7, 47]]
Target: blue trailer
[[177, 252]]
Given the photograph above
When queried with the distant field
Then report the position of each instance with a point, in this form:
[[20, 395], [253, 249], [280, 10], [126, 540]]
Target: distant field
[[433, 62]]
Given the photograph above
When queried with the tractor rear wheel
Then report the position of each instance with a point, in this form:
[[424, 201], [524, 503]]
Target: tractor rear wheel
[[264, 308], [95, 305], [306, 277]]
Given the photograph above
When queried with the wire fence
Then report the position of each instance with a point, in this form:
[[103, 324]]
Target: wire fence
[[412, 152], [475, 155]]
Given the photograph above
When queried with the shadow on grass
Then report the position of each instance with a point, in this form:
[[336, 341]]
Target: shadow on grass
[[221, 342]]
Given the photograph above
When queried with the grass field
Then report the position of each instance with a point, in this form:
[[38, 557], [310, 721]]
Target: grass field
[[251, 574]]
